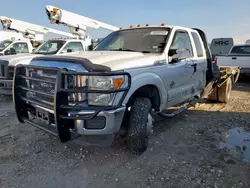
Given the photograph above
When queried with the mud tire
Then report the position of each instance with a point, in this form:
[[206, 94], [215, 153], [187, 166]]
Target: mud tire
[[137, 127], [224, 91]]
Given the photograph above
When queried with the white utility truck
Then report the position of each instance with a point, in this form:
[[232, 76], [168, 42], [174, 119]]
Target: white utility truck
[[22, 35], [12, 39], [78, 42], [94, 96], [239, 55]]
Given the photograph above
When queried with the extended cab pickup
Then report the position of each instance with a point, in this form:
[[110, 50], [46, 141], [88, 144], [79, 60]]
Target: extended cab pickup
[[50, 47], [239, 55], [114, 90]]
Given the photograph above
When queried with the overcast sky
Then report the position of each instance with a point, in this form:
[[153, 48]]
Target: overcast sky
[[218, 18]]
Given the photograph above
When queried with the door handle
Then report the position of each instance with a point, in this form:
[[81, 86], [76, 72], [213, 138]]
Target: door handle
[[234, 57], [195, 66]]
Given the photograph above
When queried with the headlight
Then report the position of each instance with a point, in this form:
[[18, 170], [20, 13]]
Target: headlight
[[104, 83]]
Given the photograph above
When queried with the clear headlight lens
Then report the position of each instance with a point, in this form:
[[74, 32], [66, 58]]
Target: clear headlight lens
[[103, 83]]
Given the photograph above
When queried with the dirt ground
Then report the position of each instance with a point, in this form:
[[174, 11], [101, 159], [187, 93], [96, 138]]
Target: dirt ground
[[183, 153]]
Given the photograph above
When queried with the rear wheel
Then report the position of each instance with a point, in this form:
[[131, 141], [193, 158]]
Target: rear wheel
[[224, 91], [140, 122]]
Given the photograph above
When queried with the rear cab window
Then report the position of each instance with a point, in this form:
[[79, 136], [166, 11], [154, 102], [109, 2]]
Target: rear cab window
[[198, 44], [241, 50]]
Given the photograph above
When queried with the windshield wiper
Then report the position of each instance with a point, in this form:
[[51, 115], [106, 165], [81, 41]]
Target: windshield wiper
[[121, 49], [145, 52], [129, 50]]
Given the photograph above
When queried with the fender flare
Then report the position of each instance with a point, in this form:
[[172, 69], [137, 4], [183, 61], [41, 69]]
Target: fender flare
[[144, 79]]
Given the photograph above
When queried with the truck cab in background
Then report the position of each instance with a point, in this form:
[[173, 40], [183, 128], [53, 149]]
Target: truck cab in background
[[12, 42], [9, 47], [50, 47], [239, 55]]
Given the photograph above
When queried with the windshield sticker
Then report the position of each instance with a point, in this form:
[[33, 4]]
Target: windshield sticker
[[158, 32]]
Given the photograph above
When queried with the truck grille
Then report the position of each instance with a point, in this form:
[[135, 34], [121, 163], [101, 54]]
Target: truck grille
[[42, 85], [37, 86]]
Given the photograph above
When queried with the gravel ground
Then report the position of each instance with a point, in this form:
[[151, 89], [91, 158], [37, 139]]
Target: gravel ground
[[183, 153]]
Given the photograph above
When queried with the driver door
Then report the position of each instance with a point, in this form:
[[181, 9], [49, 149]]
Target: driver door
[[179, 55], [19, 47]]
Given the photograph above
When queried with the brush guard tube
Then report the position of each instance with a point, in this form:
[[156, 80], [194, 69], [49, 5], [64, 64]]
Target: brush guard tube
[[64, 122]]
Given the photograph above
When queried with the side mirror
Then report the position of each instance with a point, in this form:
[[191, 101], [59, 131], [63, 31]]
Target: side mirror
[[7, 52], [91, 47], [172, 52], [178, 54], [70, 50]]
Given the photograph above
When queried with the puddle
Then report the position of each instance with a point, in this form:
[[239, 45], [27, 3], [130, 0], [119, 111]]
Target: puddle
[[237, 140]]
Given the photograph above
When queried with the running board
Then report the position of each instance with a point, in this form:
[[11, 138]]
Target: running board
[[180, 110]]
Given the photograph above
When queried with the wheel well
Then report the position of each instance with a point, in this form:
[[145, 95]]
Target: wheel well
[[147, 91]]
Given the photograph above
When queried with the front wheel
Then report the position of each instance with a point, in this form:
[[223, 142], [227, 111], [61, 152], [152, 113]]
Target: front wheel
[[138, 125]]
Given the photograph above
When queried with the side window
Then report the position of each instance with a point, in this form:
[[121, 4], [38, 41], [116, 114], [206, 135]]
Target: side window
[[73, 47], [181, 47], [20, 47], [198, 44]]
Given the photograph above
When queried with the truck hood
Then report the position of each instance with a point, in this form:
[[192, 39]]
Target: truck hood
[[120, 60], [19, 58]]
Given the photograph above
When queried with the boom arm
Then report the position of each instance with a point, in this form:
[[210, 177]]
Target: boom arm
[[76, 23], [28, 30]]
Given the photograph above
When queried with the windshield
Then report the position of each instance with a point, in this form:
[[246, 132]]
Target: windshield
[[4, 44], [50, 47], [145, 40], [241, 50]]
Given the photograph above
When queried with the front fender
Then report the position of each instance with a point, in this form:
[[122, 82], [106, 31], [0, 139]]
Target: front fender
[[147, 78]]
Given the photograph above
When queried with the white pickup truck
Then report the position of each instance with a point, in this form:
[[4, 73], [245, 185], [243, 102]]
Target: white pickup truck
[[50, 47], [113, 90], [239, 55]]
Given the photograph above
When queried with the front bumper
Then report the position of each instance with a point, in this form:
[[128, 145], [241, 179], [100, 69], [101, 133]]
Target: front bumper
[[6, 86], [90, 124]]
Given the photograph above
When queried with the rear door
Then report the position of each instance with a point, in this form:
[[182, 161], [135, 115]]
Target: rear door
[[196, 68]]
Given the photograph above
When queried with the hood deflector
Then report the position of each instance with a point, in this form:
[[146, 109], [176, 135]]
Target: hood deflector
[[88, 65]]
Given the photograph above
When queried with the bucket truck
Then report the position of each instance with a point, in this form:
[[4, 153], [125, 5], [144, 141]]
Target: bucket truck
[[77, 24], [79, 41], [19, 36]]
